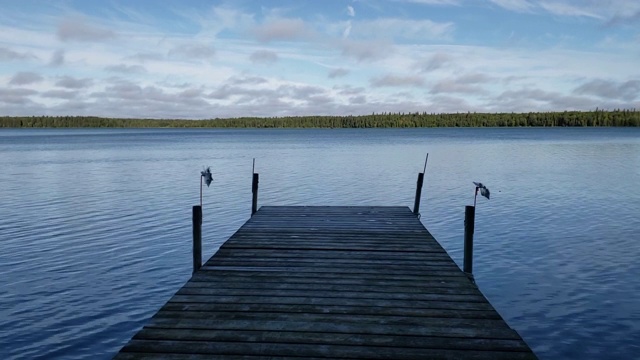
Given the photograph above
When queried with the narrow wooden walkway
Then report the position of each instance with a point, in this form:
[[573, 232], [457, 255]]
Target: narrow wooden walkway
[[329, 282]]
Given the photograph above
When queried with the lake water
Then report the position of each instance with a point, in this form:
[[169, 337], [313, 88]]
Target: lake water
[[95, 225]]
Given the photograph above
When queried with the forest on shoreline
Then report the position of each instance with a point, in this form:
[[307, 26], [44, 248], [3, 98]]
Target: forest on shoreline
[[382, 120]]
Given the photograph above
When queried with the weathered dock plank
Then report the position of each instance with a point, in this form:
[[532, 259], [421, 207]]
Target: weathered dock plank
[[328, 282]]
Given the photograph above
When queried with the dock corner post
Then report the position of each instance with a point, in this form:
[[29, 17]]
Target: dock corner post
[[416, 203], [254, 190], [469, 227], [197, 238]]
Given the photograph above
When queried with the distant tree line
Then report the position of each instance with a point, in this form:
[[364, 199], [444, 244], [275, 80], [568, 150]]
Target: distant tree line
[[383, 120]]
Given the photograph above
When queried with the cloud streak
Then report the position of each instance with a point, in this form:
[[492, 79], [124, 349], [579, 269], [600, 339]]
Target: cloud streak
[[350, 11], [57, 58], [397, 81], [434, 62], [80, 30], [364, 51], [608, 89], [7, 54], [337, 72], [402, 29], [264, 57], [70, 82], [283, 30], [515, 5], [193, 51], [25, 78], [126, 69], [434, 2]]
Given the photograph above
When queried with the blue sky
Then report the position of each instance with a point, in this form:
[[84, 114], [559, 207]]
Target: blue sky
[[205, 59]]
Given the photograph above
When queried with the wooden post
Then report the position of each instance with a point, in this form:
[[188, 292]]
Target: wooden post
[[469, 227], [197, 238], [416, 203], [254, 190]]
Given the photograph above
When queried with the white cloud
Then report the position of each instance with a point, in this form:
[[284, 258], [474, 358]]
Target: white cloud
[[348, 90], [57, 58], [434, 62], [79, 29], [7, 54], [397, 80], [456, 86], [609, 89], [611, 11], [564, 9], [350, 11], [217, 19], [126, 69], [474, 78], [283, 29], [191, 93], [403, 29], [146, 56], [16, 96], [70, 82], [337, 72], [251, 80], [25, 78], [363, 51], [536, 99], [347, 30], [433, 2], [60, 94], [264, 56], [192, 51], [153, 101], [515, 5]]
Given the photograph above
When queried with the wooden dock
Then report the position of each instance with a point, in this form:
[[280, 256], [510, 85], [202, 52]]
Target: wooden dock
[[328, 282]]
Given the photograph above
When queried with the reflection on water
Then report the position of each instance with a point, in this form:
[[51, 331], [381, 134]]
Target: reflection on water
[[95, 224]]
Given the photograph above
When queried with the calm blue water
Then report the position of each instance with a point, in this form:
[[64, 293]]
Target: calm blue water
[[95, 225]]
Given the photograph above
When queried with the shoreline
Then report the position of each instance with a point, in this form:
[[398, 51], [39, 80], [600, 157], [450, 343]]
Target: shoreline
[[598, 118]]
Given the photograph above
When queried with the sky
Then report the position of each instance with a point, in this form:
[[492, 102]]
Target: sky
[[196, 59]]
